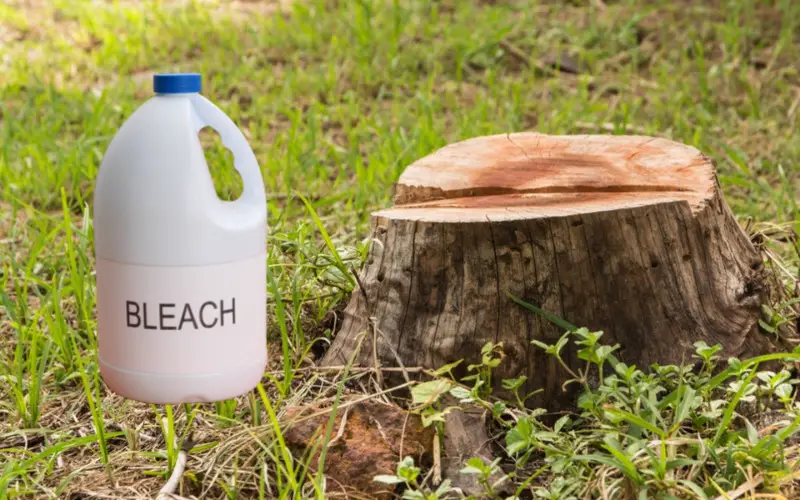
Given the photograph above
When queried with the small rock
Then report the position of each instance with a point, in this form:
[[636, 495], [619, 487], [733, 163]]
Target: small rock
[[563, 62], [465, 437]]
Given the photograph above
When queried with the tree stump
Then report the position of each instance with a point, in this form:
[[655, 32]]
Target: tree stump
[[625, 234]]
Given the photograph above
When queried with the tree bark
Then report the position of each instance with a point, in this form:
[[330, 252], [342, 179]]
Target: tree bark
[[625, 234]]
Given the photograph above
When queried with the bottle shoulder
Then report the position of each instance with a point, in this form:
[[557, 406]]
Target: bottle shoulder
[[155, 201]]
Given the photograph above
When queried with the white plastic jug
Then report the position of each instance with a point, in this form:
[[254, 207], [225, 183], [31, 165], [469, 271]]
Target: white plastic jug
[[181, 274]]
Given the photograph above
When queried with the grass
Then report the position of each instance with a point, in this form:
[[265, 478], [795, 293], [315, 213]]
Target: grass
[[336, 99]]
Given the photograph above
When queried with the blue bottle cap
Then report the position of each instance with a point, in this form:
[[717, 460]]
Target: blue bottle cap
[[176, 83]]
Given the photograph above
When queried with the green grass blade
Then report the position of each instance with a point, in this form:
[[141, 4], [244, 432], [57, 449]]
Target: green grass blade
[[328, 242], [727, 415], [636, 420], [563, 324]]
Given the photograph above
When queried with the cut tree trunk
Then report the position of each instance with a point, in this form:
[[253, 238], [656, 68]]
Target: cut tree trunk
[[625, 234]]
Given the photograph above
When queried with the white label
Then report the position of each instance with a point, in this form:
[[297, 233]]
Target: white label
[[182, 320]]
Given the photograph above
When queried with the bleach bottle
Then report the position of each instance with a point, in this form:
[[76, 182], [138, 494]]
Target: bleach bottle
[[181, 274]]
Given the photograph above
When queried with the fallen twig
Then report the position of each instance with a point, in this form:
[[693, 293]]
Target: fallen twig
[[375, 360], [522, 57], [354, 402], [403, 435], [180, 465], [437, 460], [746, 487], [340, 433], [795, 105], [399, 361], [357, 369]]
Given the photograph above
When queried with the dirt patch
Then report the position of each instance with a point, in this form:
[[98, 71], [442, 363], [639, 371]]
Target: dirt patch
[[373, 438], [246, 10]]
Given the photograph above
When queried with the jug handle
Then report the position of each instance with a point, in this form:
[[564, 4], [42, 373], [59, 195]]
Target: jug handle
[[244, 160]]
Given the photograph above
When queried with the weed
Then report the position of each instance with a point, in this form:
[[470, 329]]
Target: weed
[[670, 432]]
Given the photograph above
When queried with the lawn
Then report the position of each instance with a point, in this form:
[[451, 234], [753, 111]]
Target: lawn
[[337, 98]]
